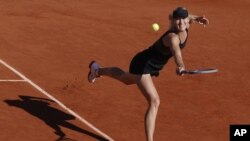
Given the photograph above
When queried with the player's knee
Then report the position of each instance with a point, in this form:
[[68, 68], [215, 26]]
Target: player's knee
[[155, 101]]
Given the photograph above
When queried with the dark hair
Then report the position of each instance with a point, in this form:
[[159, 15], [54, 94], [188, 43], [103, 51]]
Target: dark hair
[[180, 12]]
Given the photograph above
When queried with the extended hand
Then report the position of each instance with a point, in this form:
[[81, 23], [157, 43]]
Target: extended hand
[[180, 70], [202, 20]]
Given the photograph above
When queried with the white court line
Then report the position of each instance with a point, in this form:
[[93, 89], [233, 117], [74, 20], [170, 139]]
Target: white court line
[[13, 81], [57, 101]]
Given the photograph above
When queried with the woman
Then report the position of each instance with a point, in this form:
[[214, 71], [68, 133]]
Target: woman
[[149, 62]]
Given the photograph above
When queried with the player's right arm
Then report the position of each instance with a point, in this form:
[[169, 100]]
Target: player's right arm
[[173, 41]]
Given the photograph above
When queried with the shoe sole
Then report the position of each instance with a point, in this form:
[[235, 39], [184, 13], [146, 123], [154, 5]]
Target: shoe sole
[[90, 64]]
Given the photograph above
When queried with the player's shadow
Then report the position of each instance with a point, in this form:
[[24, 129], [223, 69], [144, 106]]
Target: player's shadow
[[40, 108]]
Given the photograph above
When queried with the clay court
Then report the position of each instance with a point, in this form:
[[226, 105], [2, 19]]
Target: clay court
[[48, 45]]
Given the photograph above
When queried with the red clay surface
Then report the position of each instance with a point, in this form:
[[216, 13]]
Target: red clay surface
[[51, 42]]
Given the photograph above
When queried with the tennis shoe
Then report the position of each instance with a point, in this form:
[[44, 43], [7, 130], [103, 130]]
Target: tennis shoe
[[93, 71]]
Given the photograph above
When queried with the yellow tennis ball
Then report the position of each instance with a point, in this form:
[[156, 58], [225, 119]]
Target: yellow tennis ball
[[155, 26]]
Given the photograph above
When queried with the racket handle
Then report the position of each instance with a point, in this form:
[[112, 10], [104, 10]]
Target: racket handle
[[184, 72]]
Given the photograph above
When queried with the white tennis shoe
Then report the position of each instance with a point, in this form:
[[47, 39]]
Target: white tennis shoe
[[93, 71]]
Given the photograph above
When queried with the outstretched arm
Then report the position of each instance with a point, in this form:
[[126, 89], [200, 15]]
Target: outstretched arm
[[198, 19]]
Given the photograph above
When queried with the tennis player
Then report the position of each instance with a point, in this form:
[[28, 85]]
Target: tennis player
[[150, 61]]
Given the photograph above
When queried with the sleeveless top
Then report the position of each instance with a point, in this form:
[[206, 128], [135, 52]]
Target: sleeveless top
[[154, 58], [160, 48]]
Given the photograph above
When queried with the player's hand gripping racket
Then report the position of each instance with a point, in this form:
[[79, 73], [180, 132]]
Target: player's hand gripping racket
[[201, 71]]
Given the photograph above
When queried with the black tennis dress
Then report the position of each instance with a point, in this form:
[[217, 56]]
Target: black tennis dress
[[152, 60]]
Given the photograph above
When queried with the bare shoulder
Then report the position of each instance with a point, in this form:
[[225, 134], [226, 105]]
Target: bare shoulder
[[171, 39]]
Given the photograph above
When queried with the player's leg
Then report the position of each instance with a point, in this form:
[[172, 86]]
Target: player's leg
[[149, 91], [113, 72], [118, 74]]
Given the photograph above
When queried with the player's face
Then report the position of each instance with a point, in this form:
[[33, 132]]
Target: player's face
[[181, 24]]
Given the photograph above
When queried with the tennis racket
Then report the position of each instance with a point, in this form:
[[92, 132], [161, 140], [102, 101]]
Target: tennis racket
[[201, 71]]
